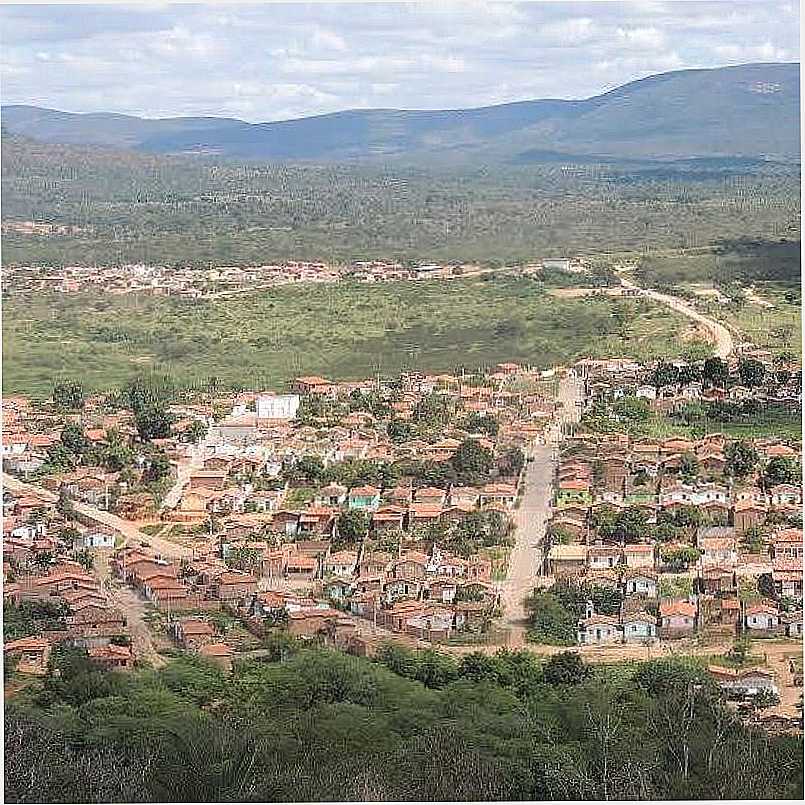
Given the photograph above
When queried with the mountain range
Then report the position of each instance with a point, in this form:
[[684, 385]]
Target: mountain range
[[748, 111]]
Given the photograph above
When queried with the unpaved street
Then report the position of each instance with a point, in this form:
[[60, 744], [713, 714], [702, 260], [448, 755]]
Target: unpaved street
[[532, 515]]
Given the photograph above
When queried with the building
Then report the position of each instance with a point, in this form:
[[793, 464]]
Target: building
[[276, 406]]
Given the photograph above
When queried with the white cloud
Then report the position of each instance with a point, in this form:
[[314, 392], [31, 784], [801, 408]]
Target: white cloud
[[269, 62], [644, 38]]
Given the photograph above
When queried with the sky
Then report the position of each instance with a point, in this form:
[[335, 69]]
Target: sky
[[262, 61]]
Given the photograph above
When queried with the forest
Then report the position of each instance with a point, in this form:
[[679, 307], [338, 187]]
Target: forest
[[311, 724], [199, 212]]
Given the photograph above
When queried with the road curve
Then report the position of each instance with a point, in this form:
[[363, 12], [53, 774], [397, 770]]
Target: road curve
[[723, 344], [126, 528]]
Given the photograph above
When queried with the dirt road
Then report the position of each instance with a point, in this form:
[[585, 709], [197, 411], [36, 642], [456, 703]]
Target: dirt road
[[722, 338], [531, 517], [129, 531]]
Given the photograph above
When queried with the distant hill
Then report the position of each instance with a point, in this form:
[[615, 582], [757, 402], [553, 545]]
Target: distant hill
[[744, 111]]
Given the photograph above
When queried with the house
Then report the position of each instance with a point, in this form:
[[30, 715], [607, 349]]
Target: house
[[219, 654], [331, 495], [504, 494], [208, 479], [33, 654], [761, 620], [639, 627], [464, 496], [742, 682], [233, 586], [677, 619], [192, 633], [341, 564], [718, 580], [434, 624], [748, 513], [573, 491], [786, 575], [792, 623], [412, 565], [601, 557], [640, 582], [718, 550], [112, 657], [787, 544], [598, 630], [638, 556], [94, 539], [364, 498], [567, 560], [784, 495], [301, 565]]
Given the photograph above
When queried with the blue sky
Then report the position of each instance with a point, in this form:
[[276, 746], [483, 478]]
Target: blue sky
[[263, 61]]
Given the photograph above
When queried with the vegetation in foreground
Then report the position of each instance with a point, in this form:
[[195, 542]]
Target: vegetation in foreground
[[309, 724], [343, 331]]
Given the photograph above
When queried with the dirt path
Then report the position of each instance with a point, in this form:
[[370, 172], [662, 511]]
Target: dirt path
[[720, 335]]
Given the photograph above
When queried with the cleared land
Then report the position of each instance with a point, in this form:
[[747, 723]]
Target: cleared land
[[344, 331]]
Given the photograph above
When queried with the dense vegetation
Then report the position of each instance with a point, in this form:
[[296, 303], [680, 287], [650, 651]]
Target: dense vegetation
[[341, 331], [730, 263], [314, 725], [172, 210]]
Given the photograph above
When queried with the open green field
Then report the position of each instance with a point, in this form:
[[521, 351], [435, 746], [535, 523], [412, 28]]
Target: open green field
[[777, 328], [342, 331]]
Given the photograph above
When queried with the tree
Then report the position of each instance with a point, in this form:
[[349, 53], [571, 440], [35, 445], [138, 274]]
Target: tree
[[73, 439], [566, 668], [153, 422], [680, 558], [480, 423], [85, 559], [195, 431], [782, 470], [64, 505], [157, 469], [307, 469], [689, 467], [471, 460], [68, 396], [752, 372], [715, 372], [664, 374], [511, 462], [352, 526], [741, 458], [549, 619], [631, 525]]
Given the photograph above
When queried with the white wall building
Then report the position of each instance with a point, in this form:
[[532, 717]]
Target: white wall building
[[276, 406]]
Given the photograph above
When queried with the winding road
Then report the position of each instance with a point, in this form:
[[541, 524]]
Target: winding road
[[722, 338]]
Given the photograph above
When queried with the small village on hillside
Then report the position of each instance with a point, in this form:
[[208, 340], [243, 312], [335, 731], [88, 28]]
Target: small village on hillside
[[503, 509]]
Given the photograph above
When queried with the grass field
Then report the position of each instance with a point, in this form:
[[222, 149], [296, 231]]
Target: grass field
[[342, 331], [777, 328]]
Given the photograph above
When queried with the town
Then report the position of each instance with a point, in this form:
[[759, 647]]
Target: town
[[191, 282], [510, 508]]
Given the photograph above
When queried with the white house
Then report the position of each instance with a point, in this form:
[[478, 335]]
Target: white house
[[639, 627], [276, 406], [94, 539]]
